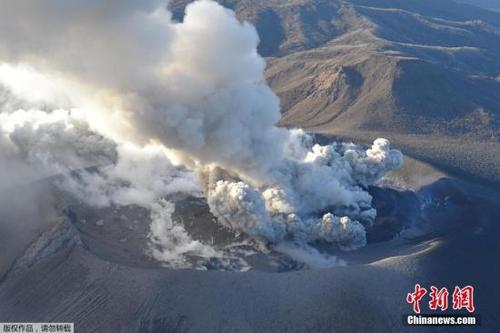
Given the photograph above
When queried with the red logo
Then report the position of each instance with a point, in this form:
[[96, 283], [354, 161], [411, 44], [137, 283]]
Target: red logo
[[415, 297], [439, 298], [463, 298]]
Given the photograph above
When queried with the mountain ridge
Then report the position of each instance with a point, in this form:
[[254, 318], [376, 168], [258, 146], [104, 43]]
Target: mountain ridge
[[363, 67]]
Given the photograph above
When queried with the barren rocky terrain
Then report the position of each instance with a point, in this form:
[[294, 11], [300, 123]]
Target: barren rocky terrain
[[425, 73]]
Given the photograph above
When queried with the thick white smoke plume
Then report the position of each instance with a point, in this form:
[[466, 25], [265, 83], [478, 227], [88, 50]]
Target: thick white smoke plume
[[36, 144], [132, 77], [327, 179]]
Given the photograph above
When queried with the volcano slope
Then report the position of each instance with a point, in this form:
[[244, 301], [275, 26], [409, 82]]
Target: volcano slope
[[424, 73], [89, 267]]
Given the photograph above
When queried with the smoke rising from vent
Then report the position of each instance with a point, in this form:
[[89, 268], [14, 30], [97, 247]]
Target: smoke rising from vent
[[194, 91]]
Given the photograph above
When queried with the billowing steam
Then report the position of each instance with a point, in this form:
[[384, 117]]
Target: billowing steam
[[139, 90]]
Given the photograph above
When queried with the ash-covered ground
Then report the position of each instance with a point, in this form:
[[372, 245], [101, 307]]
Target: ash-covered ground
[[145, 187], [405, 211], [94, 267]]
